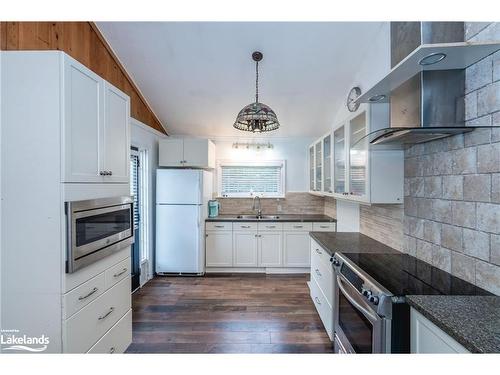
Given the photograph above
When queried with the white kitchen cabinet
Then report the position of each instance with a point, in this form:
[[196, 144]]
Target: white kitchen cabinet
[[187, 152], [96, 127], [427, 338], [245, 249], [270, 245], [219, 248], [116, 135], [361, 172], [296, 249], [83, 122]]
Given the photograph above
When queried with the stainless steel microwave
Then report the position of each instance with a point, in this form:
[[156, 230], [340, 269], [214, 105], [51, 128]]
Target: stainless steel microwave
[[97, 228]]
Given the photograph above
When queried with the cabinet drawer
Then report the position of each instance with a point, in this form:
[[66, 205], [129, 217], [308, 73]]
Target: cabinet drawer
[[270, 226], [88, 325], [82, 295], [245, 226], [323, 274], [219, 225], [325, 310], [117, 273], [317, 250], [324, 227], [297, 226], [117, 339]]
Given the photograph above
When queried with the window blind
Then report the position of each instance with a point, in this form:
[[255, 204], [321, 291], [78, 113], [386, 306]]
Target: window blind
[[134, 186], [251, 179]]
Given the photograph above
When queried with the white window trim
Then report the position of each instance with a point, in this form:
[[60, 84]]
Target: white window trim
[[255, 163]]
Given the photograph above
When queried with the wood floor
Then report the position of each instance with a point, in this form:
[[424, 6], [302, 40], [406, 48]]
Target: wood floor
[[227, 314]]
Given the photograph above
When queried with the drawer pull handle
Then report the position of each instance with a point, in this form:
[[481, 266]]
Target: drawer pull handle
[[120, 273], [317, 300], [245, 226], [112, 350], [298, 226], [219, 226], [271, 226], [107, 314], [81, 298], [317, 272], [324, 226], [319, 252]]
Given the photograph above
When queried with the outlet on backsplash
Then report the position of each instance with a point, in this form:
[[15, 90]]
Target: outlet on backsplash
[[279, 207]]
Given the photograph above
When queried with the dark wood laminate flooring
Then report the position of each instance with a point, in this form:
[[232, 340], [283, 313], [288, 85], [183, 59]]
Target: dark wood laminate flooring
[[227, 314]]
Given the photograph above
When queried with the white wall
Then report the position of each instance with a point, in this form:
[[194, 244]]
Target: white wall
[[293, 150], [145, 137]]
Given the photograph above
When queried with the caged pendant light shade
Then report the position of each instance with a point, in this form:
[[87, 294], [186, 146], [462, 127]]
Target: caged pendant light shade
[[256, 117]]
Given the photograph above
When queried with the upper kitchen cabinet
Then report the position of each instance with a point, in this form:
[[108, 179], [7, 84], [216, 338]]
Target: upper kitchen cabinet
[[316, 167], [352, 170], [96, 127], [187, 153]]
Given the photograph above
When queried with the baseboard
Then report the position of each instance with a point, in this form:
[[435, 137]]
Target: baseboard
[[264, 270]]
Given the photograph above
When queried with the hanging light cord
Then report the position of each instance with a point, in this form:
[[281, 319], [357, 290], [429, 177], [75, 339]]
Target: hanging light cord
[[256, 82]]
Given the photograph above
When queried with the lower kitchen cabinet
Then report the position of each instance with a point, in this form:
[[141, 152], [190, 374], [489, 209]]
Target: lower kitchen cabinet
[[296, 249], [219, 248], [245, 246], [270, 249], [426, 337]]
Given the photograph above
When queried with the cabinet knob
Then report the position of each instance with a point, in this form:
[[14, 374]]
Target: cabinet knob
[[110, 173], [102, 173]]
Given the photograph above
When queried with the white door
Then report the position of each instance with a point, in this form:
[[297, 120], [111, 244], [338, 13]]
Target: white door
[[179, 186], [219, 249], [245, 249], [116, 133], [196, 152], [83, 118], [178, 239], [171, 152], [296, 249], [270, 249]]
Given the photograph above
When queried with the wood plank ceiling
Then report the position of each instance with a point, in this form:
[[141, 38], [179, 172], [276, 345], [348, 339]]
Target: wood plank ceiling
[[84, 42]]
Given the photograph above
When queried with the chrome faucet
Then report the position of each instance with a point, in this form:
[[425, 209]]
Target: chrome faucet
[[254, 206]]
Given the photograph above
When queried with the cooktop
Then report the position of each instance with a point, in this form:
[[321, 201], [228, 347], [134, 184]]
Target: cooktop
[[403, 274]]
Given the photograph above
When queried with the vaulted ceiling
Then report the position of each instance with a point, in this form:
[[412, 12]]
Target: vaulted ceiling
[[198, 75]]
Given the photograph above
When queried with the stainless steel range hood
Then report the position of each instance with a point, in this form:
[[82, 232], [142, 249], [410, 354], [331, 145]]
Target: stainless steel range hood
[[429, 104]]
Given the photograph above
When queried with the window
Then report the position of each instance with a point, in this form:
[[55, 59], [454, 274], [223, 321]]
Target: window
[[247, 179]]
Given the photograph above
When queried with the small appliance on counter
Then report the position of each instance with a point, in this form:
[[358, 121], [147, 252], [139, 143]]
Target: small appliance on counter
[[213, 208]]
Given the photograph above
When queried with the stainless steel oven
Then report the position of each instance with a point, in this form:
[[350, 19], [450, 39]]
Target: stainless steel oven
[[97, 228], [362, 311]]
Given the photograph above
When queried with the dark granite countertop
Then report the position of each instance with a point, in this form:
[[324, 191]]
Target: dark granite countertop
[[349, 242], [277, 217], [473, 321]]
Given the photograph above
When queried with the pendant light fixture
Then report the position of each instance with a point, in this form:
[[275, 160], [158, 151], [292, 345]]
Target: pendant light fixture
[[256, 117]]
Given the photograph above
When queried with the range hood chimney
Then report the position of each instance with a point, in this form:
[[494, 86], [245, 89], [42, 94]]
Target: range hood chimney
[[429, 105]]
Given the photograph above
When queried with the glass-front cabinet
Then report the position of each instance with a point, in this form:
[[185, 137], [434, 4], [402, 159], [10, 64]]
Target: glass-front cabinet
[[344, 165], [327, 164]]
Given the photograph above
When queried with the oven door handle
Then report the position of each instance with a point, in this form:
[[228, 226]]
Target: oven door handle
[[356, 304]]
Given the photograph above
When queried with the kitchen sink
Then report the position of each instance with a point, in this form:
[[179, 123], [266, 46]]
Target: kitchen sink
[[255, 217]]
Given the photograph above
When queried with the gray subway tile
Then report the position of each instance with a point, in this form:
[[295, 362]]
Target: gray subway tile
[[417, 186], [464, 214], [488, 99], [441, 258], [477, 137], [433, 187], [432, 231], [424, 251], [495, 249], [471, 105], [476, 244], [451, 237], [488, 217], [488, 158], [463, 266], [464, 160], [424, 208], [488, 276], [453, 187], [477, 187], [442, 211], [495, 188], [478, 75]]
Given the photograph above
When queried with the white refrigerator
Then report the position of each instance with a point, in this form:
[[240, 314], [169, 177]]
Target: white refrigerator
[[181, 209]]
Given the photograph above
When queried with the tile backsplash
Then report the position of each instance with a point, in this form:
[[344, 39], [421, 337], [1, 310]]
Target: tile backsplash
[[293, 203]]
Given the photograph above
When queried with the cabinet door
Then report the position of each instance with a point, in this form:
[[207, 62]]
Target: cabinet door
[[245, 249], [296, 249], [339, 160], [358, 156], [327, 164], [83, 119], [219, 249], [116, 135], [196, 152], [318, 183], [171, 152], [311, 168], [270, 249]]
